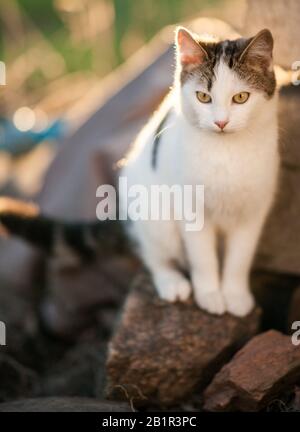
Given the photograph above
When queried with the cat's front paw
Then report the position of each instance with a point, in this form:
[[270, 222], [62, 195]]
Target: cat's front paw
[[210, 301], [173, 289], [239, 303]]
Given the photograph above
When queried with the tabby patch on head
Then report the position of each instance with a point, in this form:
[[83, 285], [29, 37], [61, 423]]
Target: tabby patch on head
[[250, 58], [223, 85]]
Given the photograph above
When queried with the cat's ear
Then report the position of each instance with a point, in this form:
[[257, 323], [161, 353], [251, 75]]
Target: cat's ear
[[260, 49], [190, 52]]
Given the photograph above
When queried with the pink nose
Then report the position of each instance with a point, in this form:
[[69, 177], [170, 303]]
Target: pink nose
[[221, 124]]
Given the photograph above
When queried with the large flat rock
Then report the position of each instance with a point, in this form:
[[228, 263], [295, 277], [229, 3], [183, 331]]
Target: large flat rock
[[162, 353]]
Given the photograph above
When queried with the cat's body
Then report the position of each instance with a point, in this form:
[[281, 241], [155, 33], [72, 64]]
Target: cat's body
[[238, 169], [217, 128]]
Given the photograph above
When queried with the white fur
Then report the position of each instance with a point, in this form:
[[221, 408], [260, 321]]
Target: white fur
[[238, 169]]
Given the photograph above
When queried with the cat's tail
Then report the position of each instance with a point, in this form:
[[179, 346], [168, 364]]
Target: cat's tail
[[58, 238]]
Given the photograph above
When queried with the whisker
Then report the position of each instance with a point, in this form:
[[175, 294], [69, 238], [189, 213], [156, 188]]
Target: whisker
[[158, 135]]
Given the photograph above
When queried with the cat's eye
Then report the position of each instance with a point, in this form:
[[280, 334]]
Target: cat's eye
[[241, 98], [203, 97]]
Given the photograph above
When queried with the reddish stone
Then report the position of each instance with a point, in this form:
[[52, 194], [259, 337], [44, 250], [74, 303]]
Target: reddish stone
[[262, 370], [161, 352]]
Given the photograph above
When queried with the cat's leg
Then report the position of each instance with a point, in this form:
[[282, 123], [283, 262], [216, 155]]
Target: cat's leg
[[240, 247], [162, 252], [170, 283], [201, 248]]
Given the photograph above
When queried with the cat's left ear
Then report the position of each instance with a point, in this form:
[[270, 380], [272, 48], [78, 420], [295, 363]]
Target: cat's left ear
[[190, 52], [260, 49]]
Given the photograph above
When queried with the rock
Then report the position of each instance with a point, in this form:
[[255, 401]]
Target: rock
[[295, 405], [16, 380], [78, 373], [264, 368], [26, 340], [294, 312], [17, 313], [68, 309], [273, 293], [161, 352], [287, 402], [63, 404]]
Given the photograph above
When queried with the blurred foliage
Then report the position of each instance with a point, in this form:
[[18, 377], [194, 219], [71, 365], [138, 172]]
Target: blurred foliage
[[71, 43], [55, 51], [131, 23]]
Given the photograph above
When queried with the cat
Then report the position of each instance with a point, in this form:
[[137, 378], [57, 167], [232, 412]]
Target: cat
[[217, 128]]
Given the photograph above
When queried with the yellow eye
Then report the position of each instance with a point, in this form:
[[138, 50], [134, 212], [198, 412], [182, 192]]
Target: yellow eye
[[203, 97], [241, 98]]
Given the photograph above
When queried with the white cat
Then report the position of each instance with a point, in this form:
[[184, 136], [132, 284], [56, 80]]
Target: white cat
[[217, 128]]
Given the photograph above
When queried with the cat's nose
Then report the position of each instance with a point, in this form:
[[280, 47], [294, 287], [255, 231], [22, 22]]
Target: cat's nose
[[221, 123]]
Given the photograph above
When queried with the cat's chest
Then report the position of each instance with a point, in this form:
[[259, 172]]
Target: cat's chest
[[233, 178], [222, 168]]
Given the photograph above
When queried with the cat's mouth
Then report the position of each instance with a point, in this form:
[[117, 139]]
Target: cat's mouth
[[221, 131], [226, 131]]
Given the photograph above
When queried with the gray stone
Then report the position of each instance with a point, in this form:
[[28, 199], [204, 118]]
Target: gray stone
[[63, 404], [78, 373], [16, 380]]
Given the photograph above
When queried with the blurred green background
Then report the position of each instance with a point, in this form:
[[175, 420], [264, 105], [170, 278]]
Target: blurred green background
[[55, 53], [81, 29], [52, 39]]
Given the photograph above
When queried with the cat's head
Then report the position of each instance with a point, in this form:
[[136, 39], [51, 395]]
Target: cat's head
[[224, 84]]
